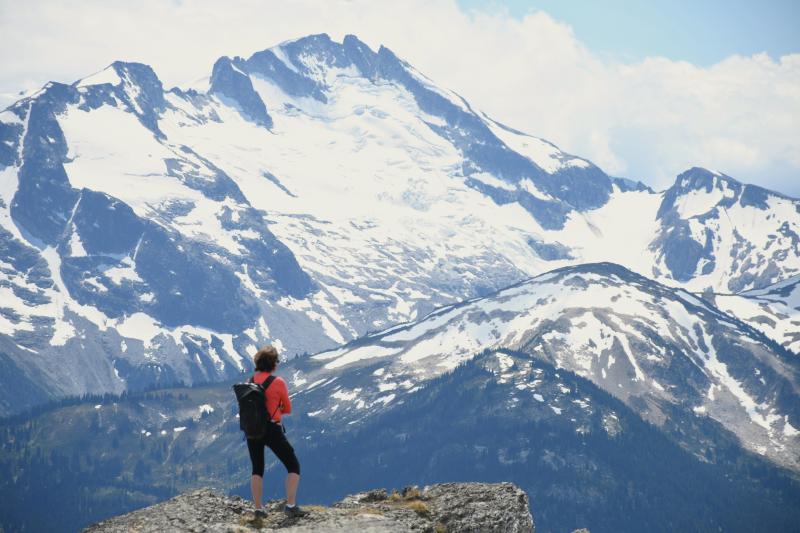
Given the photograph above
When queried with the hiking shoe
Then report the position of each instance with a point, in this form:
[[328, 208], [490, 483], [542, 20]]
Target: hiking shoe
[[294, 512], [260, 513]]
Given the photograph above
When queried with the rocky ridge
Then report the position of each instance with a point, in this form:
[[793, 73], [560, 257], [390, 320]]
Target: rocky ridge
[[446, 507]]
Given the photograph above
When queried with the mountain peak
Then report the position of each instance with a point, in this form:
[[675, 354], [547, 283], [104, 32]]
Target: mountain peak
[[312, 38], [230, 82], [698, 191], [697, 178], [139, 74], [352, 38], [108, 76], [703, 178]]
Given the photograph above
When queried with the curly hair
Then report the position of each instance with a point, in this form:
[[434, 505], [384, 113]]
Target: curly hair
[[266, 359]]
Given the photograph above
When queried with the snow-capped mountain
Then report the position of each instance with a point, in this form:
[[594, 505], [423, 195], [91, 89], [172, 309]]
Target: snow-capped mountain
[[308, 194], [773, 310], [716, 233], [665, 353]]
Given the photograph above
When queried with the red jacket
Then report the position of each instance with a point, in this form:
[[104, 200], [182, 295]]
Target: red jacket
[[278, 403]]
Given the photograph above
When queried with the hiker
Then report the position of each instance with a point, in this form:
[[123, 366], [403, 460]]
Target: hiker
[[278, 404]]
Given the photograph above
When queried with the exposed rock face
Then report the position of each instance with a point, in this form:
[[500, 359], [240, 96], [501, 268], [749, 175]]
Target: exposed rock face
[[480, 507], [447, 507]]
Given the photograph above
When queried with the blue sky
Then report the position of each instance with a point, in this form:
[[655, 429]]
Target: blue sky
[[703, 32]]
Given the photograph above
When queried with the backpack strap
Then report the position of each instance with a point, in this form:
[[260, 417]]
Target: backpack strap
[[265, 385], [267, 382]]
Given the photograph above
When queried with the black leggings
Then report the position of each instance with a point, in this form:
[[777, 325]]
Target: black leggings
[[277, 442]]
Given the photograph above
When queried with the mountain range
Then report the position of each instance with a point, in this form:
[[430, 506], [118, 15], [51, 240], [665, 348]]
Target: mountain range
[[665, 353], [305, 196], [443, 285], [584, 457]]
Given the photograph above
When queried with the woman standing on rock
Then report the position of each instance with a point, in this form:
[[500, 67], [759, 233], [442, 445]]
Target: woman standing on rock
[[278, 404]]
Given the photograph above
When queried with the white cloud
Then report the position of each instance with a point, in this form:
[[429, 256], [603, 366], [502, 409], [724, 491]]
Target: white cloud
[[648, 120]]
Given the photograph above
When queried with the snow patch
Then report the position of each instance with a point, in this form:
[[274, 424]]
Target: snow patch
[[107, 75]]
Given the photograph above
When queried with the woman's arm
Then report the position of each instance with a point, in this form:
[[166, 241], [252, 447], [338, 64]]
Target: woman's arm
[[285, 402]]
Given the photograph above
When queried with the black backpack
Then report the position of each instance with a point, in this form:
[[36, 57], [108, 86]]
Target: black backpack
[[253, 416]]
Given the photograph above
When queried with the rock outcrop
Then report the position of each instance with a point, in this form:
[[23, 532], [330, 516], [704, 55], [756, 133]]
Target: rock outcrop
[[447, 507]]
